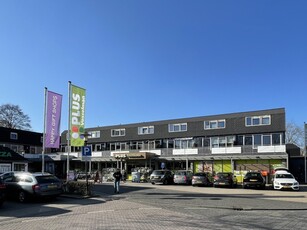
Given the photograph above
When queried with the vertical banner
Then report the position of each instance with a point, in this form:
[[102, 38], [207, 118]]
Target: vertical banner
[[53, 120], [77, 119]]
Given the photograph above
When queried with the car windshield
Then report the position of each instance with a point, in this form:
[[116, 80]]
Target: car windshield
[[180, 173], [199, 174], [284, 176], [158, 172], [47, 179], [253, 175], [223, 175]]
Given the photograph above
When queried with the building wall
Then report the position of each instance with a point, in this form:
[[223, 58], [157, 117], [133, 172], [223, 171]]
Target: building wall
[[237, 157]]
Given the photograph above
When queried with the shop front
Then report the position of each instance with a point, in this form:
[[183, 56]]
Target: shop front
[[141, 162], [12, 161]]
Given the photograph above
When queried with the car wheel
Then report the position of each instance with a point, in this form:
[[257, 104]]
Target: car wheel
[[165, 182], [152, 182], [22, 196]]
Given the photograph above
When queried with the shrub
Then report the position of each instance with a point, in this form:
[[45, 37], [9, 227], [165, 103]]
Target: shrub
[[77, 187]]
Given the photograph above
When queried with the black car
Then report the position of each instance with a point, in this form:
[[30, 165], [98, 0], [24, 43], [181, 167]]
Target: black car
[[2, 192], [225, 179], [253, 180], [162, 177]]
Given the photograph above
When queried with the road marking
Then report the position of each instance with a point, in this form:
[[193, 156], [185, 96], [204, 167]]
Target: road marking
[[195, 208], [150, 208], [101, 211]]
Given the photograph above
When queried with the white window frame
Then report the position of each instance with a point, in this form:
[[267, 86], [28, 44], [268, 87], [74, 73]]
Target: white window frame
[[183, 143], [146, 130], [222, 141], [5, 168], [13, 136], [94, 134], [121, 132], [179, 127], [260, 118], [209, 124]]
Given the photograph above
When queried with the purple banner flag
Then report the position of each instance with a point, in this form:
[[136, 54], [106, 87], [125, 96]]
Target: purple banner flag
[[54, 104]]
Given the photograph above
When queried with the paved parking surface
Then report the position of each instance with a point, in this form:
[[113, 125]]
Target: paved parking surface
[[146, 206], [249, 198]]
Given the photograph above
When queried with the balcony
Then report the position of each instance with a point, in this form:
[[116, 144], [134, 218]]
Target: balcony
[[245, 150]]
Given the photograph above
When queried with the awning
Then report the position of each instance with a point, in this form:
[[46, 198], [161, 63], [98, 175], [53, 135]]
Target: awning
[[224, 157], [8, 155]]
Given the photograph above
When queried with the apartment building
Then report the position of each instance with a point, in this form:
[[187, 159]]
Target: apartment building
[[235, 142], [21, 150]]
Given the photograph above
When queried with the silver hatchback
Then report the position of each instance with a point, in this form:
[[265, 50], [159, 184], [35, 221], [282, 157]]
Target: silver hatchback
[[24, 185], [183, 177]]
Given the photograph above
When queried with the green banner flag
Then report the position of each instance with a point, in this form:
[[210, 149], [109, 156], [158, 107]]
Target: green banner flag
[[77, 119]]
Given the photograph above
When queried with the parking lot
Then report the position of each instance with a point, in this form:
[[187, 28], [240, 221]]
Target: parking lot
[[147, 206], [294, 199]]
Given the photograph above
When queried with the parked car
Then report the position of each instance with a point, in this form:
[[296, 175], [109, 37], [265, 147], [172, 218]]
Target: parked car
[[2, 192], [202, 179], [183, 177], [283, 180], [225, 179], [161, 177], [25, 185], [253, 180]]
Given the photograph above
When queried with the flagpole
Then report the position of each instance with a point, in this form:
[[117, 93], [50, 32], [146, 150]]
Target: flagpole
[[44, 133], [68, 131]]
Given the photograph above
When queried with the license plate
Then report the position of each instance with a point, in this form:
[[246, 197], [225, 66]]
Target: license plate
[[156, 177], [287, 186], [252, 180], [221, 183], [52, 186]]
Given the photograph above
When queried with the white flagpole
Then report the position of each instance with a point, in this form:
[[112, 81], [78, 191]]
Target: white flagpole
[[68, 131], [44, 133]]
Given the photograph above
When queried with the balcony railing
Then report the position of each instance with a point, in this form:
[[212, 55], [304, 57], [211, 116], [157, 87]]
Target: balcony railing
[[204, 151]]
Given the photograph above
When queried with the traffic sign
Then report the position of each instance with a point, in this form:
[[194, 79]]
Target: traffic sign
[[87, 151]]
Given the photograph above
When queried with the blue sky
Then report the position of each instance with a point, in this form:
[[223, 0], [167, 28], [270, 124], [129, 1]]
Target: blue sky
[[155, 60]]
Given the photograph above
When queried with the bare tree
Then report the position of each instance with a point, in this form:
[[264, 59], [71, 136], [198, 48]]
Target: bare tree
[[294, 135], [11, 116]]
